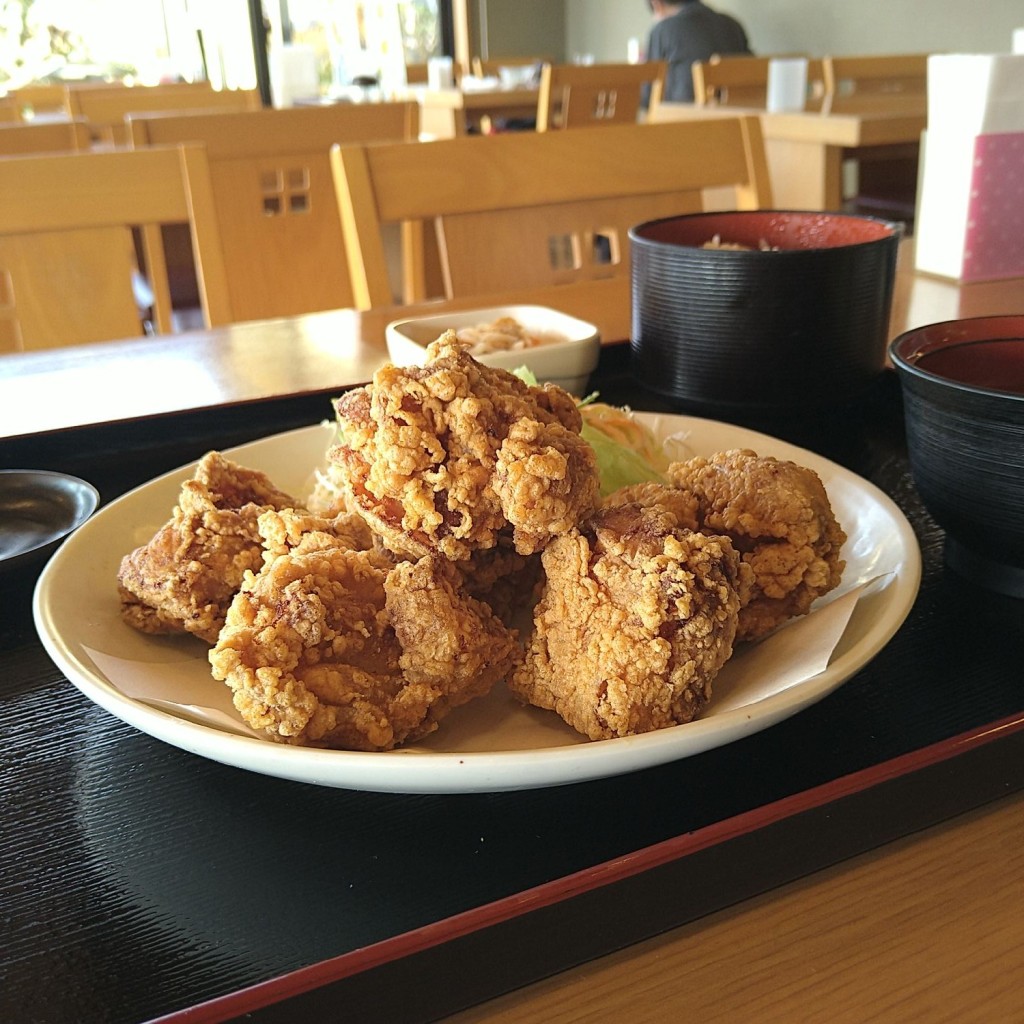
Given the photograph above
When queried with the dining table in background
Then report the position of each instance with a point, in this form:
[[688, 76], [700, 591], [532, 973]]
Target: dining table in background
[[806, 150], [445, 113], [812, 870]]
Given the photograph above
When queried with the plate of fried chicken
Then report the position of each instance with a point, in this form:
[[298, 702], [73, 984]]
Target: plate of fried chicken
[[445, 589]]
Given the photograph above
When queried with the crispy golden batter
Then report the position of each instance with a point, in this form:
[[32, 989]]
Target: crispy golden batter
[[680, 503], [184, 579], [779, 517], [636, 618], [325, 647], [449, 456], [283, 530]]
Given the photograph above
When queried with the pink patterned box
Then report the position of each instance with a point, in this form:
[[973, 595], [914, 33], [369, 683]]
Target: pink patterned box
[[994, 235]]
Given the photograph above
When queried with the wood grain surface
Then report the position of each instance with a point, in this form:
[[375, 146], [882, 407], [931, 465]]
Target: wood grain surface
[[928, 928]]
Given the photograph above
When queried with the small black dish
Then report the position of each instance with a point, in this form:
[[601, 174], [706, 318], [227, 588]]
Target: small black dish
[[38, 509], [963, 403]]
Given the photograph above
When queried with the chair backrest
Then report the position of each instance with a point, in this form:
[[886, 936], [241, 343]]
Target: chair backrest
[[270, 176], [40, 99], [43, 137], [588, 95], [416, 74], [69, 268], [742, 81], [532, 209], [896, 82], [9, 111], [105, 108]]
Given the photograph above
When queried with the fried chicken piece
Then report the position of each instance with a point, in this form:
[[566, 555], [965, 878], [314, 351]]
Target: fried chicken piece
[[283, 530], [507, 581], [184, 579], [779, 517], [680, 503], [636, 619], [448, 456], [325, 647]]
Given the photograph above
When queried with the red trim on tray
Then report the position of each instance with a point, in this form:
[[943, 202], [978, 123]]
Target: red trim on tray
[[306, 979]]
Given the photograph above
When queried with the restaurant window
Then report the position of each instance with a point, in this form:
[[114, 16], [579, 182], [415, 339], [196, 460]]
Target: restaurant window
[[144, 42], [359, 42], [150, 41]]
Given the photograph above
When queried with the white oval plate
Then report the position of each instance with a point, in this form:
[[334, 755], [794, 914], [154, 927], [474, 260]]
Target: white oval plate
[[492, 744]]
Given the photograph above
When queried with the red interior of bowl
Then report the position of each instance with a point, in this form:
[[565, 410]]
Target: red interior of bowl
[[777, 229], [986, 352]]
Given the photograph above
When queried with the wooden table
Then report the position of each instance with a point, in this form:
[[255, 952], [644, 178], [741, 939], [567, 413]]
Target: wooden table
[[926, 928], [319, 353], [862, 860], [806, 150], [445, 113]]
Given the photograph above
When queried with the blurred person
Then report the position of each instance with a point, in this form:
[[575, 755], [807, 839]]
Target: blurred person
[[685, 31]]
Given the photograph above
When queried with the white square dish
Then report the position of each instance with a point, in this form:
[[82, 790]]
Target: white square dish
[[567, 363]]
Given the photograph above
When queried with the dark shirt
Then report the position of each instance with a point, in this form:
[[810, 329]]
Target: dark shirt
[[695, 32]]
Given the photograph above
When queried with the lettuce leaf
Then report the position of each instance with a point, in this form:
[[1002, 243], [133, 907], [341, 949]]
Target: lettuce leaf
[[618, 464]]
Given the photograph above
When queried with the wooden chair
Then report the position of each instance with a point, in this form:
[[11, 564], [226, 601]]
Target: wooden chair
[[39, 100], [886, 177], [105, 108], [270, 175], [742, 81], [68, 259], [535, 209], [416, 74], [9, 112], [896, 82], [579, 95], [888, 82], [43, 137]]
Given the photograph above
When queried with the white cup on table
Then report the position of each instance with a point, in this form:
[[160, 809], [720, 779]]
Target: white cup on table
[[440, 73]]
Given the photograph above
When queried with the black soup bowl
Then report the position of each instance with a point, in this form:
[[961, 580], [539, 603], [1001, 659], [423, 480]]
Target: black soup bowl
[[761, 311], [963, 405]]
